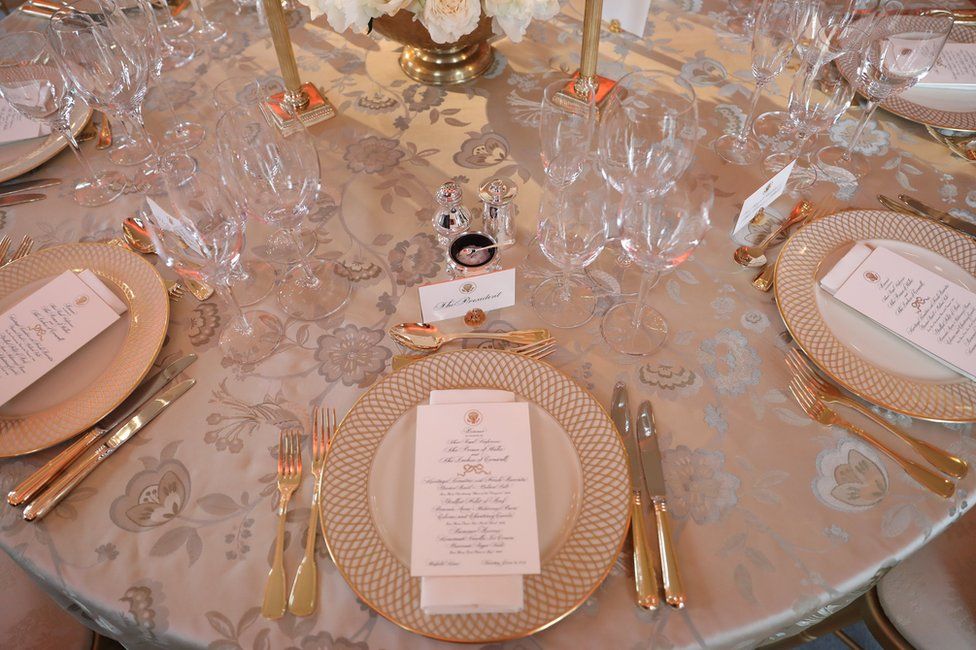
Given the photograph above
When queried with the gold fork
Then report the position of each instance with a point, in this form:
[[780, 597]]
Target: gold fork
[[538, 350], [821, 413], [26, 244], [301, 602], [937, 457], [4, 247], [289, 478], [175, 291]]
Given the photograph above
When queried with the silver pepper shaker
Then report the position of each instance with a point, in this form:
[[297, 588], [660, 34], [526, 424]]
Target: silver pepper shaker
[[498, 210], [451, 218]]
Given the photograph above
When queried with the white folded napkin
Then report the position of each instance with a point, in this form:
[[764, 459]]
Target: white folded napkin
[[471, 594], [843, 269]]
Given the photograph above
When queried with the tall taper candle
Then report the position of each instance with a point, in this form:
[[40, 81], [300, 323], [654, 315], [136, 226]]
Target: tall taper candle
[[286, 55]]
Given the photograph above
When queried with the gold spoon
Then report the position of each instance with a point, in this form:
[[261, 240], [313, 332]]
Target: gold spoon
[[424, 336], [139, 240], [755, 256]]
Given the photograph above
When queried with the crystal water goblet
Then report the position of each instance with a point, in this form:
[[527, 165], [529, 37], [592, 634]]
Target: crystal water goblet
[[899, 51]]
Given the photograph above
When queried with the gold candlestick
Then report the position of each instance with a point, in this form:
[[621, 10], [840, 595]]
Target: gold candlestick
[[586, 80], [300, 103]]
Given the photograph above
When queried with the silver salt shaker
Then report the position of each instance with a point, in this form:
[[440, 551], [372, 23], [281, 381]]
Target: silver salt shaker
[[451, 218], [498, 210]]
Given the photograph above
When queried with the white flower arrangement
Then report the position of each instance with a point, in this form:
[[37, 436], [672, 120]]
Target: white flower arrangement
[[446, 20]]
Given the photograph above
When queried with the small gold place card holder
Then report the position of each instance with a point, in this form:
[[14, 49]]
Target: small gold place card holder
[[300, 103]]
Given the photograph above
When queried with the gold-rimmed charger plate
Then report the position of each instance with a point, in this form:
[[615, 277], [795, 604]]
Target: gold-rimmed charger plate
[[582, 491], [858, 354], [940, 108], [89, 384], [18, 158]]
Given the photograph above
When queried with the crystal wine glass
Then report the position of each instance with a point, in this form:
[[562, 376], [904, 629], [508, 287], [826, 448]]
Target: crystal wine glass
[[566, 130], [184, 134], [196, 231], [658, 233], [818, 97], [208, 29], [33, 84], [172, 26], [648, 131], [573, 229], [776, 28], [110, 63], [898, 52], [276, 177]]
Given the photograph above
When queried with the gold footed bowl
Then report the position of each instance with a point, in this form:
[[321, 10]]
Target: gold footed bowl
[[438, 64]]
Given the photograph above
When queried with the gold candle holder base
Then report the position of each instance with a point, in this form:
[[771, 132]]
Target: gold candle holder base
[[281, 108], [569, 98]]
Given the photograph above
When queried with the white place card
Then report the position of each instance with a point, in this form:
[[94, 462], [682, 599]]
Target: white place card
[[51, 324], [763, 198], [474, 492], [955, 68], [632, 14], [14, 127], [453, 298], [931, 313]]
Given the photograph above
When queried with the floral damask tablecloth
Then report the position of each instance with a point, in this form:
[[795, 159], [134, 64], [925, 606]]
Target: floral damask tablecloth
[[778, 520]]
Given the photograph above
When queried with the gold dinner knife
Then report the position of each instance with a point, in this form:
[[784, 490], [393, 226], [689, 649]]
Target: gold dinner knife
[[941, 216], [644, 575], [91, 459], [650, 455], [33, 484]]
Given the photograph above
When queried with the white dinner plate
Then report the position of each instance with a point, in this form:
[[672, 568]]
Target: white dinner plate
[[581, 481], [17, 158], [856, 352]]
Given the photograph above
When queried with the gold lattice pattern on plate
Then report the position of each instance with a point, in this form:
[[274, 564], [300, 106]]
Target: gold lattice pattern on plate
[[142, 289], [576, 569], [902, 107], [795, 282]]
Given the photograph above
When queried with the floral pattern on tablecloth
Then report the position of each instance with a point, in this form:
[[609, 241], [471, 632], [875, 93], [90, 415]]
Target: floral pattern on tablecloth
[[779, 520]]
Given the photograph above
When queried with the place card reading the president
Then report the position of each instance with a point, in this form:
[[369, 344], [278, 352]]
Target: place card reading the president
[[933, 314], [762, 198], [51, 324], [455, 298], [474, 492]]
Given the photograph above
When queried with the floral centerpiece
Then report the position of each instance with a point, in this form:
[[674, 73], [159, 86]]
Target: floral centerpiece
[[429, 29]]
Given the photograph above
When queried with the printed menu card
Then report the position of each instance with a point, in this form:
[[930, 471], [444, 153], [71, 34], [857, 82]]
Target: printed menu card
[[956, 68], [923, 308], [51, 324], [474, 493]]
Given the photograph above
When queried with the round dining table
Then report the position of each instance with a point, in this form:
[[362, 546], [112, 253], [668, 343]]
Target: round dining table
[[778, 521]]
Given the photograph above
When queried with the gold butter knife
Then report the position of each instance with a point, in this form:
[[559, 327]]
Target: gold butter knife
[[89, 460], [33, 484], [650, 454], [645, 577]]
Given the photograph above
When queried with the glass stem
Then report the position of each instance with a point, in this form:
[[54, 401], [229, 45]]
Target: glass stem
[[227, 295], [865, 118], [296, 239], [648, 281], [62, 128], [753, 104]]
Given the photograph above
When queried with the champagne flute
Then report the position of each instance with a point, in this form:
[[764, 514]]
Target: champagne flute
[[776, 29], [35, 86], [658, 233], [196, 231], [899, 51]]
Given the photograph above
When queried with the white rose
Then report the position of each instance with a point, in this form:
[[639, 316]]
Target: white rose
[[449, 20], [343, 14], [514, 16]]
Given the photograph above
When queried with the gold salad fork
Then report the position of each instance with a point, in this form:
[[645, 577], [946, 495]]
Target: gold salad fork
[[301, 602], [820, 412], [24, 249], [826, 392], [289, 478]]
